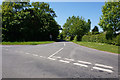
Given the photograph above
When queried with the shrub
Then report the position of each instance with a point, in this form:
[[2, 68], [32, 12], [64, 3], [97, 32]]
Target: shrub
[[75, 38], [86, 38], [70, 38], [117, 40], [102, 39]]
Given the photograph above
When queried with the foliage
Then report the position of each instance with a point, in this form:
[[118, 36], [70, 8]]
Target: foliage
[[110, 20], [76, 26], [101, 38], [61, 36], [95, 30], [24, 21], [117, 40], [76, 38]]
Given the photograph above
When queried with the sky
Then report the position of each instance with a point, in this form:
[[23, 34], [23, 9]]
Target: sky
[[89, 10]]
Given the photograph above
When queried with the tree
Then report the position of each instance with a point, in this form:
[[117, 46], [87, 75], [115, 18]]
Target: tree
[[76, 26], [110, 20], [95, 30], [89, 25], [25, 21]]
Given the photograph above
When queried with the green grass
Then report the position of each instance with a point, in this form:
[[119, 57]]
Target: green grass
[[26, 43], [100, 46]]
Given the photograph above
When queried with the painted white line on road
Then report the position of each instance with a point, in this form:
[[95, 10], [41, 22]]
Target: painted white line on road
[[80, 64], [84, 62], [57, 57], [101, 65], [69, 59], [51, 58], [34, 54], [55, 53], [64, 61], [64, 44], [27, 53], [107, 70], [41, 56]]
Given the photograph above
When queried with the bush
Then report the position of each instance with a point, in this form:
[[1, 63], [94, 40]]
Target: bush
[[102, 39], [86, 38], [117, 40], [75, 38], [70, 38]]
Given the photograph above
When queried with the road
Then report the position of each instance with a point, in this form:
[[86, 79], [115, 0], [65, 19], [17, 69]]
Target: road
[[57, 60]]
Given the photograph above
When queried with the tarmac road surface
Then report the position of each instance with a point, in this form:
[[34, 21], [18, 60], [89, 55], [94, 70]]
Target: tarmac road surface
[[57, 60]]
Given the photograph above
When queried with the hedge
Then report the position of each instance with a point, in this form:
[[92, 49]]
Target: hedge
[[102, 39]]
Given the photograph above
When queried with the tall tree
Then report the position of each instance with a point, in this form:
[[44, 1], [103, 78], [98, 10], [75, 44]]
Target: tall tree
[[95, 30], [89, 25], [110, 20], [24, 21], [75, 26]]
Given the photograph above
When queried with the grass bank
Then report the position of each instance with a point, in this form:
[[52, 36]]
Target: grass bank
[[26, 43], [100, 46]]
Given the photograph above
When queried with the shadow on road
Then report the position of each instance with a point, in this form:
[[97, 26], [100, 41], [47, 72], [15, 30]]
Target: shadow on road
[[60, 40]]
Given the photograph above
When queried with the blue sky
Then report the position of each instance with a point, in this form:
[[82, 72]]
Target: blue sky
[[88, 10]]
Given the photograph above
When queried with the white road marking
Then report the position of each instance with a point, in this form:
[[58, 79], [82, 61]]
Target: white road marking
[[84, 62], [44, 57], [41, 56], [27, 53], [51, 58], [69, 59], [57, 57], [34, 54], [64, 44], [107, 70], [80, 64], [101, 65], [64, 61], [55, 53]]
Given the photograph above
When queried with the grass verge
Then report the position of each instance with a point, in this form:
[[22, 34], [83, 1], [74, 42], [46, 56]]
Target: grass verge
[[100, 46], [26, 43]]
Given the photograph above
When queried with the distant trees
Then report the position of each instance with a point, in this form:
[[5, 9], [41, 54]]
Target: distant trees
[[95, 30], [76, 26], [24, 21], [110, 20]]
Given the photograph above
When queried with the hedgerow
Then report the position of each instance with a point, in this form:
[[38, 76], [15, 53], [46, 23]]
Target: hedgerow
[[102, 39]]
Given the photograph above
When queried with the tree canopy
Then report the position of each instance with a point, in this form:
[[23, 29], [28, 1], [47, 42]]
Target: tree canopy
[[24, 21], [110, 20], [76, 26], [95, 30]]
